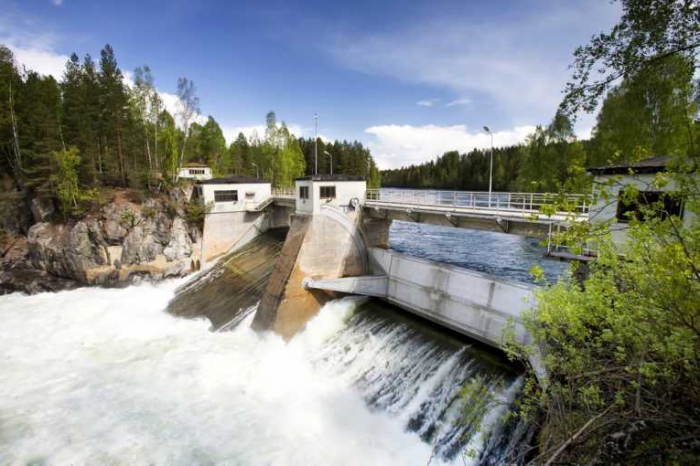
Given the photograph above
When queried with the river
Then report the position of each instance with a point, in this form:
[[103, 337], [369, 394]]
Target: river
[[107, 376]]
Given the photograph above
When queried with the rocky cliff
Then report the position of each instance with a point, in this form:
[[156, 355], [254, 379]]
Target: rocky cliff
[[120, 242]]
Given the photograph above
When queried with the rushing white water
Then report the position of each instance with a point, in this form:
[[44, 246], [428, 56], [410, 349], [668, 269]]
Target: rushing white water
[[105, 376]]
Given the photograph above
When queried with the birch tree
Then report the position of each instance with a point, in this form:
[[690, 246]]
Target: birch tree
[[189, 107]]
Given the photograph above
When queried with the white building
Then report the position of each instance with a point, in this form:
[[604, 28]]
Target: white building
[[614, 178], [236, 211], [195, 172], [337, 190], [234, 193]]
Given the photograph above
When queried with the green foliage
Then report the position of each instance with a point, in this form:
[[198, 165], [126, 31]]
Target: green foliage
[[648, 114], [649, 32], [71, 197], [195, 212], [128, 218], [622, 350], [551, 160]]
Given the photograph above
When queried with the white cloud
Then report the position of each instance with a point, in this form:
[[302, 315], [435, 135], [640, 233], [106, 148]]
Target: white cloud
[[40, 60], [427, 102], [57, 2], [511, 63], [402, 145], [462, 101]]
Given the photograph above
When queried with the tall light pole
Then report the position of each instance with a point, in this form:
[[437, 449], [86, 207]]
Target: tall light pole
[[315, 144], [488, 130], [331, 156], [257, 173]]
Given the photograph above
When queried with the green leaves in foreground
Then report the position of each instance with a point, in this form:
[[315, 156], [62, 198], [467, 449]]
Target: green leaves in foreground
[[622, 348]]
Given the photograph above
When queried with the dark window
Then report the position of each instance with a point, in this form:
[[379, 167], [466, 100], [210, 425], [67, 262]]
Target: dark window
[[662, 203], [303, 192], [327, 192], [196, 171], [225, 196]]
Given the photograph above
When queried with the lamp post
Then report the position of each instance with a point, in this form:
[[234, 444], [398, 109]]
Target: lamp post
[[331, 156], [315, 144], [257, 173], [488, 130]]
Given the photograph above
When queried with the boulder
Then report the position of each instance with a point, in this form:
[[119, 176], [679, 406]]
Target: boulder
[[67, 250], [161, 227], [180, 245], [43, 208], [178, 269], [140, 245], [113, 223]]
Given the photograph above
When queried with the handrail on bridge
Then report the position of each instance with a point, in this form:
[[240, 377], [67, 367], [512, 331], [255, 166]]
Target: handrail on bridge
[[287, 193], [527, 203]]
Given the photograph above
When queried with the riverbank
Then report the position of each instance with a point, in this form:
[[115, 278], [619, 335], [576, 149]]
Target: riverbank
[[127, 236]]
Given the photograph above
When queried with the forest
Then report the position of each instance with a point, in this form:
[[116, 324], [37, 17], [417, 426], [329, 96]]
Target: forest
[[648, 114], [66, 139]]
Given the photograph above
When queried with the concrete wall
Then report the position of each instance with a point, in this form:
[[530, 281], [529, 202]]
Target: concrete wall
[[475, 304], [326, 245], [224, 229], [345, 191], [249, 195]]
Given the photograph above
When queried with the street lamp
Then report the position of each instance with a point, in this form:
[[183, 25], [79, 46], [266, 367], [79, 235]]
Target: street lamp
[[331, 156], [488, 130], [315, 144], [257, 173]]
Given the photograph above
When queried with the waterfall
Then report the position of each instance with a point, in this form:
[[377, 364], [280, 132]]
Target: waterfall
[[106, 376]]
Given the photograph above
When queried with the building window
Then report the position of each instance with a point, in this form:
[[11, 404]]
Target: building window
[[303, 192], [663, 203], [226, 196], [327, 192], [196, 171]]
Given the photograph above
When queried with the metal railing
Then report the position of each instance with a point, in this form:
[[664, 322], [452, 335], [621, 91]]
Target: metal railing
[[287, 193], [496, 202]]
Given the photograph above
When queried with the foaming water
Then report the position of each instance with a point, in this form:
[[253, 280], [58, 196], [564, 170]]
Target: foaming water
[[105, 376]]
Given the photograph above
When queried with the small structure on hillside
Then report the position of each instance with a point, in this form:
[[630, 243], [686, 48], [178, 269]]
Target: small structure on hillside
[[343, 191], [194, 171], [640, 174], [234, 193]]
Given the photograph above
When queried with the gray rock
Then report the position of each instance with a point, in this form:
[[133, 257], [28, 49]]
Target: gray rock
[[67, 251], [162, 225], [113, 223], [43, 208], [180, 245], [140, 245], [178, 269]]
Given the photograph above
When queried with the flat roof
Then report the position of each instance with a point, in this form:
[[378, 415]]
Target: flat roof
[[328, 177], [650, 165], [195, 165], [235, 180]]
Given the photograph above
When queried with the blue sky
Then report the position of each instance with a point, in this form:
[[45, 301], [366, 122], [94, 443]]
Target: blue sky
[[409, 79]]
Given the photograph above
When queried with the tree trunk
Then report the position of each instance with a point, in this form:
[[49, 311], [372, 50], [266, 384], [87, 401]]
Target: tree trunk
[[17, 166], [122, 167]]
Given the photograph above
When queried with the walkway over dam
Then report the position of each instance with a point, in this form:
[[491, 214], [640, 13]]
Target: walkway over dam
[[515, 213], [338, 243]]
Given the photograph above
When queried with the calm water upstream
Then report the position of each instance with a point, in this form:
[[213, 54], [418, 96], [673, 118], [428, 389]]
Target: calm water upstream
[[107, 376]]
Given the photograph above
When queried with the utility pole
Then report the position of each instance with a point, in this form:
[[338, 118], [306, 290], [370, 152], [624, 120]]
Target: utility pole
[[315, 144], [488, 130], [257, 173]]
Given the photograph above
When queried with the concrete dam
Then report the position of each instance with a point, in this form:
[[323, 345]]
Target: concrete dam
[[338, 244]]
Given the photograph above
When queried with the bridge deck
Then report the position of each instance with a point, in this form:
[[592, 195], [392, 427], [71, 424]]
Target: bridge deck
[[522, 206]]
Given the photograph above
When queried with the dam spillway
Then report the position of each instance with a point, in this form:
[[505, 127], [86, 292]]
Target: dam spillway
[[95, 375]]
